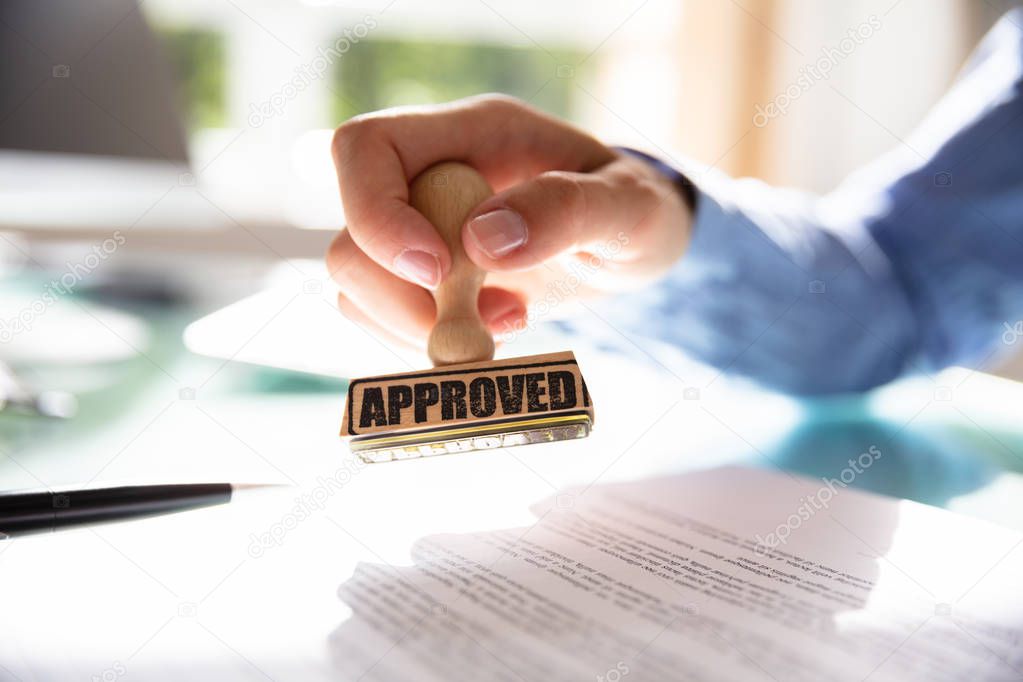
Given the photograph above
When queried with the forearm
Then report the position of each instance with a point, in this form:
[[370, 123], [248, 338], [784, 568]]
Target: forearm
[[767, 292]]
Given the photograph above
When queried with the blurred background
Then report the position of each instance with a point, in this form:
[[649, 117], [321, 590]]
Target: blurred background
[[258, 85], [161, 160], [166, 198]]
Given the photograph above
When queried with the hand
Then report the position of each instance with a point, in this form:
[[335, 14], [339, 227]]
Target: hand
[[570, 218]]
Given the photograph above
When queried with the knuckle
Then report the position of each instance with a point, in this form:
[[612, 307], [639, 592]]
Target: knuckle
[[560, 185], [500, 104], [348, 134], [499, 121], [639, 181], [646, 189], [342, 134], [501, 100], [565, 191]]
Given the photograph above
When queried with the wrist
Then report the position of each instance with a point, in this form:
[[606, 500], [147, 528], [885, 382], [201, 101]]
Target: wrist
[[653, 212]]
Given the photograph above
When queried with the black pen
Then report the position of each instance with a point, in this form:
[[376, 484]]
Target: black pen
[[44, 511]]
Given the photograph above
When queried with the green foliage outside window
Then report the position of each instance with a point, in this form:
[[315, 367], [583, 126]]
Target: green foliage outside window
[[198, 62], [376, 74]]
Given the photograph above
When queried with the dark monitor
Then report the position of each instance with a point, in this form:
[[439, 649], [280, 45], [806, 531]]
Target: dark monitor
[[85, 77]]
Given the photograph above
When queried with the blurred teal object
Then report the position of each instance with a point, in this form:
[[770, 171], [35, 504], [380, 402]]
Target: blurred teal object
[[924, 464]]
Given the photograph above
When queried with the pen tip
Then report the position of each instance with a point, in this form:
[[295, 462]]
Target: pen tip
[[258, 486]]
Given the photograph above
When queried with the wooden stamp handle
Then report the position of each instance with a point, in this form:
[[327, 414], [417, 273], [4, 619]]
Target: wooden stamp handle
[[445, 193]]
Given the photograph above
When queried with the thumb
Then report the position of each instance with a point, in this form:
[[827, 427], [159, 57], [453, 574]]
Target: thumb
[[558, 212]]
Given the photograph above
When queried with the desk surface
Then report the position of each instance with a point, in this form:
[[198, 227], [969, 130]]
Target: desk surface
[[249, 590]]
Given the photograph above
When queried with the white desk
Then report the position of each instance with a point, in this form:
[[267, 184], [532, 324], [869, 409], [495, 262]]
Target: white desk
[[196, 593]]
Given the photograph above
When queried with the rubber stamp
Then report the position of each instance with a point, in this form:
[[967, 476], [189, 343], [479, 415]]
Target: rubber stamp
[[468, 401]]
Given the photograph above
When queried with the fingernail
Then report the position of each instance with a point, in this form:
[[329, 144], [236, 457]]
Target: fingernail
[[499, 232], [419, 266]]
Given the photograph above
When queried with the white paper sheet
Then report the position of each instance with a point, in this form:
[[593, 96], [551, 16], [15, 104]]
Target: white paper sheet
[[671, 579]]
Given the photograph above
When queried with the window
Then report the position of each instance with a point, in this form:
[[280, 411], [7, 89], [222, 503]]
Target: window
[[384, 73], [197, 59]]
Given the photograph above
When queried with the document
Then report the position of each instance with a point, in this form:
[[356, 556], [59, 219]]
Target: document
[[726, 574]]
